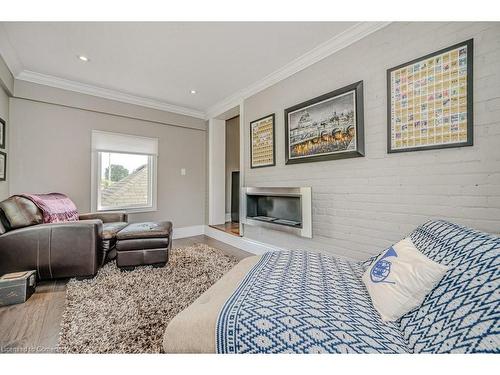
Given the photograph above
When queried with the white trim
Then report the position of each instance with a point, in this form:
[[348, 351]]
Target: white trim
[[216, 171], [194, 230], [335, 44], [242, 243], [254, 247], [95, 171], [101, 92], [149, 144], [338, 42], [228, 216], [241, 197]]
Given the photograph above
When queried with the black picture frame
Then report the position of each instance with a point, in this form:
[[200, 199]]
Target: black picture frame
[[273, 116], [2, 132], [4, 177], [470, 116], [357, 88]]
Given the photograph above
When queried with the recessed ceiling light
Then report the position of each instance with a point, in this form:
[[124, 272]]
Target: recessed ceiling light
[[83, 58], [193, 92]]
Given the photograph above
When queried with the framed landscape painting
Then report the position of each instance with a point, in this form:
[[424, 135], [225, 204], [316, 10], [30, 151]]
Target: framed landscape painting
[[327, 127], [262, 148], [430, 101]]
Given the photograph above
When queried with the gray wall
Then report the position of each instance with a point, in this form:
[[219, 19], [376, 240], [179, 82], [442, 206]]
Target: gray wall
[[6, 86], [4, 114], [47, 94], [51, 150], [363, 205], [232, 155]]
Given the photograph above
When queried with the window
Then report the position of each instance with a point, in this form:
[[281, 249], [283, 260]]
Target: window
[[124, 172]]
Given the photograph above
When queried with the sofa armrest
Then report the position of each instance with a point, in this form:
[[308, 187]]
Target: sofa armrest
[[55, 250], [106, 217]]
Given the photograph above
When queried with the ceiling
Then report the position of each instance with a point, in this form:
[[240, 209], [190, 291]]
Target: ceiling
[[164, 61]]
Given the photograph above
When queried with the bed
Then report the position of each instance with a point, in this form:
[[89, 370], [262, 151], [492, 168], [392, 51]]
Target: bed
[[193, 330], [304, 302]]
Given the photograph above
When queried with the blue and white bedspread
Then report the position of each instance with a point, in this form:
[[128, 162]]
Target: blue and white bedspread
[[302, 302]]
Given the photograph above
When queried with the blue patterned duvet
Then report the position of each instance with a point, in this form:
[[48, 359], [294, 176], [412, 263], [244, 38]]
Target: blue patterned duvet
[[302, 302]]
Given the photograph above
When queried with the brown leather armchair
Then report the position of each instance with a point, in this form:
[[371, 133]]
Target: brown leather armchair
[[58, 250]]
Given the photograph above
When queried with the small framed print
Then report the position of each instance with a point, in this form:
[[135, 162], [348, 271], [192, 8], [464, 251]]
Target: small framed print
[[3, 166], [262, 139], [2, 133], [429, 101]]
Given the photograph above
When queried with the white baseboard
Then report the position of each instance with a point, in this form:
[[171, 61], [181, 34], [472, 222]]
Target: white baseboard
[[246, 244], [184, 232], [242, 243], [228, 216]]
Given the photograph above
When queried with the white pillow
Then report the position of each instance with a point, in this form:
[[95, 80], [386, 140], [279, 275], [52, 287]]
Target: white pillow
[[400, 278]]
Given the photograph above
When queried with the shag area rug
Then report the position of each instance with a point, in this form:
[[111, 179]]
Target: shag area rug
[[127, 312]]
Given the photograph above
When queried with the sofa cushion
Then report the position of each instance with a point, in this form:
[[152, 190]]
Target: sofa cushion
[[3, 228], [462, 313], [110, 230], [4, 223], [156, 229], [20, 212]]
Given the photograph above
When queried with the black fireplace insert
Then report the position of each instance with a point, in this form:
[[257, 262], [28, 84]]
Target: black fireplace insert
[[277, 209]]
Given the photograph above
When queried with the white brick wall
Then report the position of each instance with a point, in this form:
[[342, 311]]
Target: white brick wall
[[362, 205]]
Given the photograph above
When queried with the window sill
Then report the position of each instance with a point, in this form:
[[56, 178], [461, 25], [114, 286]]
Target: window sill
[[132, 210]]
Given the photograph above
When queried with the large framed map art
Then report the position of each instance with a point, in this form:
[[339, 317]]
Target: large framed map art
[[429, 101]]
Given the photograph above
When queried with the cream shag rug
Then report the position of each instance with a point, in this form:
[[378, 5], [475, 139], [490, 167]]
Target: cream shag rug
[[127, 312]]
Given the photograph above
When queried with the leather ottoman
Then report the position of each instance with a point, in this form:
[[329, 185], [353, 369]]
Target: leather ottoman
[[141, 244]]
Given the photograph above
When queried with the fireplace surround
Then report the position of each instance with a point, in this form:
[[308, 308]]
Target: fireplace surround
[[280, 208]]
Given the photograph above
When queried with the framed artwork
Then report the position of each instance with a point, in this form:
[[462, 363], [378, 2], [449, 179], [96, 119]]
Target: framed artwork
[[262, 148], [3, 166], [430, 101], [2, 133], [327, 127]]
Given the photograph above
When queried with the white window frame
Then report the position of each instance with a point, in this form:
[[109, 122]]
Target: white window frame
[[96, 181]]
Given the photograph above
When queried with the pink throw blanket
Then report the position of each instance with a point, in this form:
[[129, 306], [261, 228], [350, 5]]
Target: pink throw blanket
[[55, 207]]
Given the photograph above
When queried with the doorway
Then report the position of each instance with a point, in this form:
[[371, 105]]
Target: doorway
[[232, 178], [225, 178]]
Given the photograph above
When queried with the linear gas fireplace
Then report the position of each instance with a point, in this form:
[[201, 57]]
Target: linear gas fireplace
[[283, 208]]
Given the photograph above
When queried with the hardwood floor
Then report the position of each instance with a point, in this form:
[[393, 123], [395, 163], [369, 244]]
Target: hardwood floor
[[228, 249], [33, 326], [228, 227]]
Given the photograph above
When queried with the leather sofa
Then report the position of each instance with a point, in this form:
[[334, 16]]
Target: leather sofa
[[57, 250]]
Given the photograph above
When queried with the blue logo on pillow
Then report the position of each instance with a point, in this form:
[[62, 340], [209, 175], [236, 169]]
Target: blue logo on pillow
[[382, 268]]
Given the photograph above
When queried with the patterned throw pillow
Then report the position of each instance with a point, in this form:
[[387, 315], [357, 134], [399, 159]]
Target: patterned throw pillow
[[400, 279], [462, 314]]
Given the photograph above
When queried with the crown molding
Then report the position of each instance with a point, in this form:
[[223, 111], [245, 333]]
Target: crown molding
[[331, 46], [325, 49], [9, 53], [83, 88]]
